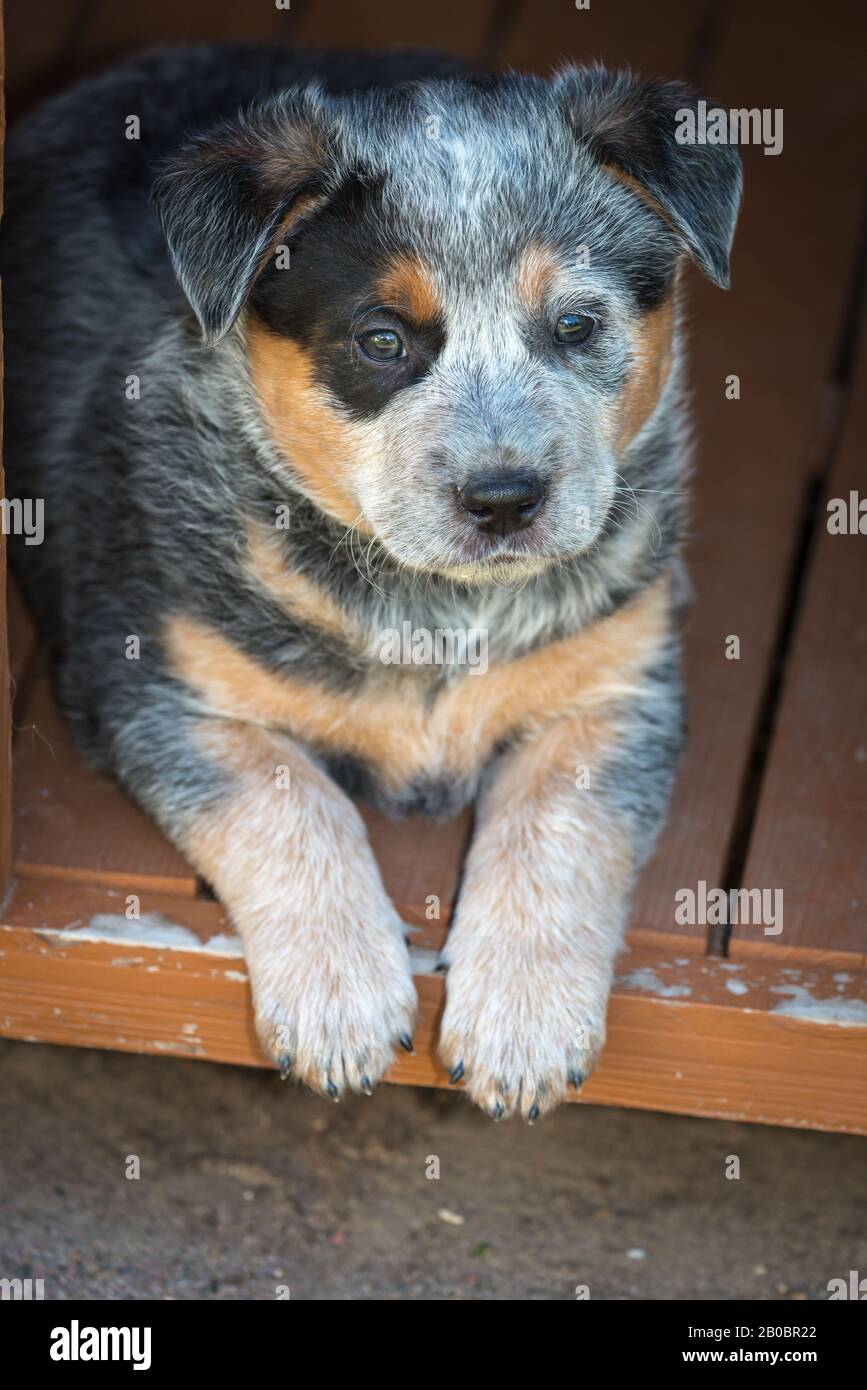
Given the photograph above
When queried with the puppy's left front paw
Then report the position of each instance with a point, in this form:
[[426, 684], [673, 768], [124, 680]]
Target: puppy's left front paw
[[524, 1019]]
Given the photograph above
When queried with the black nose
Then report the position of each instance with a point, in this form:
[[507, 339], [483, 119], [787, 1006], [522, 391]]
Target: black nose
[[502, 502]]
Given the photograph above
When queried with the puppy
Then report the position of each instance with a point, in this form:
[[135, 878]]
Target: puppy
[[308, 351]]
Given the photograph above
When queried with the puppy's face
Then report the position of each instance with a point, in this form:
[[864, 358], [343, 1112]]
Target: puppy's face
[[460, 315]]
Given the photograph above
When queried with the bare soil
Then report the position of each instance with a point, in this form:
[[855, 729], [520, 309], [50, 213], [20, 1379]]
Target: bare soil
[[247, 1187]]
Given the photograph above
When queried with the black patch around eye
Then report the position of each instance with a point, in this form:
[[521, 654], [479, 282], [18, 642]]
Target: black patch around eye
[[335, 262]]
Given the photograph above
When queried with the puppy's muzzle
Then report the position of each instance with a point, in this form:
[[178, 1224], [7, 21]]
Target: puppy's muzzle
[[501, 503]]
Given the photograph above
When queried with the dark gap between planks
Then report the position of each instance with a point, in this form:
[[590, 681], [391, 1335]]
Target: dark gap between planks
[[807, 534]]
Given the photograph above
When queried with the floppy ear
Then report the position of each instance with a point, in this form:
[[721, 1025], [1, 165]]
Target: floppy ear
[[228, 195], [633, 126]]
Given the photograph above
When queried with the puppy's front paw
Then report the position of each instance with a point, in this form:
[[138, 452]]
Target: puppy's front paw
[[524, 1018], [333, 994]]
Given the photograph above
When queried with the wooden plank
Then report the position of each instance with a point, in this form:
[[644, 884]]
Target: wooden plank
[[777, 329], [420, 862], [21, 633], [457, 26], [657, 40], [74, 37], [810, 837], [35, 49], [116, 29], [687, 1033], [5, 717], [73, 824], [5, 671]]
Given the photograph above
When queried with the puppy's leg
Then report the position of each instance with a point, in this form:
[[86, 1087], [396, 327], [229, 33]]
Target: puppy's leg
[[563, 824], [287, 853]]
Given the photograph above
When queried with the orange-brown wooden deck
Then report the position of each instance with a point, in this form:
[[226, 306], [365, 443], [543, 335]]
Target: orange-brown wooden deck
[[772, 790]]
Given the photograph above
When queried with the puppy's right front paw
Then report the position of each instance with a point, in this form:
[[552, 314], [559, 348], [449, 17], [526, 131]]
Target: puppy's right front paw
[[334, 996]]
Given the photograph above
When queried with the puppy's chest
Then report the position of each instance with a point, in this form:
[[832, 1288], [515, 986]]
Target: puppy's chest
[[416, 740], [409, 736], [415, 736]]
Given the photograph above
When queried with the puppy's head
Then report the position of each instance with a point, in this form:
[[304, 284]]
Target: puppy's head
[[456, 296]]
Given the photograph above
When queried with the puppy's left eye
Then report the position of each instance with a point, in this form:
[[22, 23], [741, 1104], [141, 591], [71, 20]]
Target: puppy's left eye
[[574, 328], [381, 345]]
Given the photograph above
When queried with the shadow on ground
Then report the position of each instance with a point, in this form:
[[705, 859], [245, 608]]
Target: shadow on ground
[[247, 1185]]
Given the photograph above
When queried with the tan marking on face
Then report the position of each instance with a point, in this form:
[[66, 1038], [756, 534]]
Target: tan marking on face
[[293, 591], [537, 270], [408, 286], [652, 346], [389, 725], [321, 444]]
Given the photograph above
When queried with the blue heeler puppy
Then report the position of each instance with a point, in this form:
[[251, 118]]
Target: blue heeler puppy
[[339, 344]]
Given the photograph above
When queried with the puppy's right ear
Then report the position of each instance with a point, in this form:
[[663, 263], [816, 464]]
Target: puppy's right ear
[[229, 195]]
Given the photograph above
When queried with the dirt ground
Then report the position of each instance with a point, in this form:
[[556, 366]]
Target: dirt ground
[[248, 1186]]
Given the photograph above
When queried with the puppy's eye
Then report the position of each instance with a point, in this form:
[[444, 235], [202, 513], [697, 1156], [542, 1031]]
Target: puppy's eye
[[574, 328], [381, 345]]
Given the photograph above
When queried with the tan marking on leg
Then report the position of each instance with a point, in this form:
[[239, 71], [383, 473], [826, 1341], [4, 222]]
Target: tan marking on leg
[[321, 446], [287, 854], [389, 726], [539, 923], [295, 592], [408, 285]]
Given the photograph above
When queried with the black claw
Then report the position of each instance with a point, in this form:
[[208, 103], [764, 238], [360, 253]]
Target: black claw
[[366, 1086], [456, 1074], [576, 1079], [406, 1043], [533, 1115], [285, 1065], [498, 1111], [441, 967], [333, 1091]]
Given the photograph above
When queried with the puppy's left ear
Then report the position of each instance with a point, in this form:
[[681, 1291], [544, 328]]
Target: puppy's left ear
[[226, 198], [633, 127]]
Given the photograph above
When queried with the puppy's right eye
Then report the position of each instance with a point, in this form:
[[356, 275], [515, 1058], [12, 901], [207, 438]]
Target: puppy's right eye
[[574, 329], [381, 345]]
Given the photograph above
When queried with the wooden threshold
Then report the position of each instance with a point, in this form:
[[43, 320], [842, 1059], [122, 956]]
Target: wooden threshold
[[688, 1033]]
